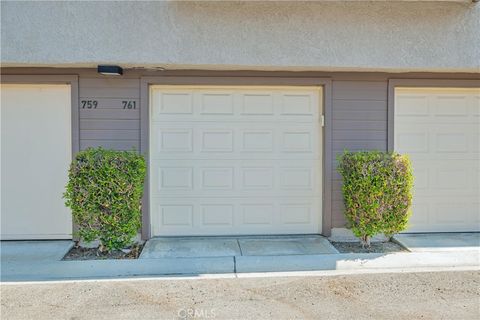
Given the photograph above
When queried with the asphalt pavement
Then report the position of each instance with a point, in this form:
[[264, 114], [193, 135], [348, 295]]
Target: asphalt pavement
[[433, 295]]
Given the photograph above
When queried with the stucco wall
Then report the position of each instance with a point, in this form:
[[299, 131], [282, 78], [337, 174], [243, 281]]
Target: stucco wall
[[398, 36]]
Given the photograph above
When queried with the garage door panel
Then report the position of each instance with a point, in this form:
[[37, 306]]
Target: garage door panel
[[257, 140], [413, 106], [174, 103], [444, 120], [448, 179], [255, 103], [455, 178], [446, 140], [238, 118], [168, 140], [215, 140], [234, 140], [476, 144], [456, 212], [448, 157], [421, 214], [216, 103], [433, 214], [442, 108], [438, 138], [475, 108], [422, 178], [450, 105], [233, 216], [442, 140], [235, 161], [224, 105], [415, 141], [236, 177]]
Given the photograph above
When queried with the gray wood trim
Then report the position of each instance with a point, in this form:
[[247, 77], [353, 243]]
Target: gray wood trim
[[136, 73], [234, 81], [72, 80], [417, 83], [144, 149], [327, 158], [146, 82]]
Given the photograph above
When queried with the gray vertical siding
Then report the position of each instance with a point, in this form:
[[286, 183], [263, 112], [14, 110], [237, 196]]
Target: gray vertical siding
[[359, 123], [109, 125]]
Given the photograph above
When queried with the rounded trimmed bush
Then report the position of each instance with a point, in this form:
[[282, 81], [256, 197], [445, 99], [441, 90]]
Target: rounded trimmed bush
[[104, 192], [377, 192]]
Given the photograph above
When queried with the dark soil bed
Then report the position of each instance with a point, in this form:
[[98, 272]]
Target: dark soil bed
[[80, 253], [375, 247]]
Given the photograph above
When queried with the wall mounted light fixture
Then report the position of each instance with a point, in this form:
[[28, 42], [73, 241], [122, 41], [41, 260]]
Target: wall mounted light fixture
[[110, 70]]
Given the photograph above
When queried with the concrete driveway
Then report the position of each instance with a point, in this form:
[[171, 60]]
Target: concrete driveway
[[440, 295]]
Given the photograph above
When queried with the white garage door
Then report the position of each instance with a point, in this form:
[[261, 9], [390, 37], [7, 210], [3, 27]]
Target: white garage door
[[439, 129], [235, 160], [35, 155]]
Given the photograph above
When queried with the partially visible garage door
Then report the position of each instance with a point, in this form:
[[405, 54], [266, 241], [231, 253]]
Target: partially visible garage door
[[35, 155], [439, 129], [235, 160]]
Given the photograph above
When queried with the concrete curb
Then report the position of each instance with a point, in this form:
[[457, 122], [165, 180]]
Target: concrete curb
[[353, 261], [317, 273], [95, 269], [54, 270]]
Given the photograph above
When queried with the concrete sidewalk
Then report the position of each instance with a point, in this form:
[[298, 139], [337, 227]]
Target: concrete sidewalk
[[41, 260], [188, 247], [439, 242]]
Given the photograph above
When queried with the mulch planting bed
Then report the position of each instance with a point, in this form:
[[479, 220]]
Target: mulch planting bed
[[375, 247], [80, 253]]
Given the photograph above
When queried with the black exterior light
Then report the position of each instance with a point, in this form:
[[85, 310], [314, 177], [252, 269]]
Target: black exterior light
[[110, 70]]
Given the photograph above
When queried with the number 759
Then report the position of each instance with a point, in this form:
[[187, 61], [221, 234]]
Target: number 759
[[89, 104]]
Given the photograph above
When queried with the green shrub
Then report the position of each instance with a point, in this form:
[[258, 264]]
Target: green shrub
[[104, 191], [377, 191]]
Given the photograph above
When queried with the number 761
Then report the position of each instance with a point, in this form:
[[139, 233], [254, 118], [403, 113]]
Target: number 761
[[129, 104]]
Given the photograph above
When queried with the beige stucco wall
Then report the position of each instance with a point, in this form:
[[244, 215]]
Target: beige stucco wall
[[386, 36]]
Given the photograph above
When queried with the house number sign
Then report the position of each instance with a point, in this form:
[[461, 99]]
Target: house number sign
[[89, 104], [129, 104], [93, 104]]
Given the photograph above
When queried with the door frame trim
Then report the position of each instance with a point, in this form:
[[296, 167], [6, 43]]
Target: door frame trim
[[71, 80], [417, 83], [326, 83]]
